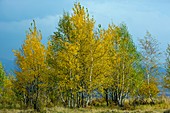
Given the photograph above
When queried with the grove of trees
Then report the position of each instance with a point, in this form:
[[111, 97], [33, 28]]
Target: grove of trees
[[81, 64]]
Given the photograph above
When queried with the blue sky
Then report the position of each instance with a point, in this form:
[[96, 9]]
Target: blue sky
[[139, 16]]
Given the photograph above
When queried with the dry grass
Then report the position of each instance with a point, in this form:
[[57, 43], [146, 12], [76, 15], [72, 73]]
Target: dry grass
[[139, 109], [158, 108]]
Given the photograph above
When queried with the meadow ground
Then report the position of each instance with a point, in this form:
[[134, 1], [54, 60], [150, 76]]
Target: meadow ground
[[139, 109], [162, 107]]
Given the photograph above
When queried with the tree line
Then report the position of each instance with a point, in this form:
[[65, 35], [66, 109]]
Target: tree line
[[82, 63]]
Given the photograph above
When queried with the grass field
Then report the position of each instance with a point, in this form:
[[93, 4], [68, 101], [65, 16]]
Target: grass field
[[160, 108]]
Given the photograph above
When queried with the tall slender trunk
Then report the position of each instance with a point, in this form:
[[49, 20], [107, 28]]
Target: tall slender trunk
[[91, 73], [148, 77], [36, 103], [107, 97], [64, 101], [72, 100], [68, 98], [82, 100], [115, 97], [90, 99], [87, 100], [78, 100], [121, 97]]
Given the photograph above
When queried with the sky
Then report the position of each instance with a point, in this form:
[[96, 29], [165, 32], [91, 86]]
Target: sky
[[139, 16]]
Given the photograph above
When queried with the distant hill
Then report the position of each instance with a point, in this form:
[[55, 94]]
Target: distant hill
[[8, 65]]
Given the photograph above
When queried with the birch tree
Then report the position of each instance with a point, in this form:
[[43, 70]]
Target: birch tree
[[150, 61], [167, 66], [31, 60]]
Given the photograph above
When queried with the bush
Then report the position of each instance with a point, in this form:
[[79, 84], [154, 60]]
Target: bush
[[98, 102]]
